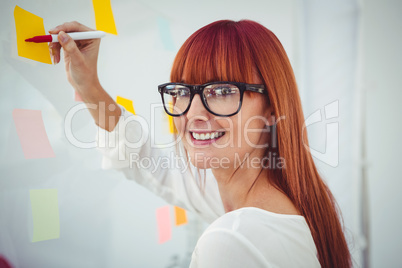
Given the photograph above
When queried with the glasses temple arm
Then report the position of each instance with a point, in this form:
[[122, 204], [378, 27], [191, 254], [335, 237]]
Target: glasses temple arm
[[258, 89]]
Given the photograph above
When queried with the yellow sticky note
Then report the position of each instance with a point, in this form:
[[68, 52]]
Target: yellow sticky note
[[28, 25], [172, 127], [126, 103], [180, 215], [104, 16], [45, 213]]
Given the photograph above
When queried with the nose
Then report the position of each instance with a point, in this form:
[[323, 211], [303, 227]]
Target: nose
[[197, 110]]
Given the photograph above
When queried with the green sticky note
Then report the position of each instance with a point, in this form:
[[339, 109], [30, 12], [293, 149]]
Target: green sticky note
[[45, 213]]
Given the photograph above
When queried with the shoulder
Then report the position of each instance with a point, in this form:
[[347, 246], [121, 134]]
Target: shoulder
[[222, 247], [252, 237]]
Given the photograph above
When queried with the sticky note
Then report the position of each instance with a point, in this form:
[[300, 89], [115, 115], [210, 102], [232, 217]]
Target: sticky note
[[32, 134], [164, 225], [180, 215], [77, 96], [45, 213], [126, 103], [104, 16], [165, 34], [28, 25], [172, 127]]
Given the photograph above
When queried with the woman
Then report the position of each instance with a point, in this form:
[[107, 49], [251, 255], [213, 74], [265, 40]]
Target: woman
[[236, 107]]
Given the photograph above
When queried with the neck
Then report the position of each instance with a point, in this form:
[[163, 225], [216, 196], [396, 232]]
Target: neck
[[251, 188], [240, 187]]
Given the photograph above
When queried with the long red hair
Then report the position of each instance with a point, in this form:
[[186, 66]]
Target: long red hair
[[232, 51]]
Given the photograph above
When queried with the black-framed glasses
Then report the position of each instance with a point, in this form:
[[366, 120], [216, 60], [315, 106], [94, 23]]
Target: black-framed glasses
[[220, 98]]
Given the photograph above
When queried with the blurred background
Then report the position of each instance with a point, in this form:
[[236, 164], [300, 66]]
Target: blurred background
[[347, 60]]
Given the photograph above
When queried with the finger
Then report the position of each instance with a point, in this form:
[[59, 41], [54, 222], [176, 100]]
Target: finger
[[72, 26], [51, 52], [70, 48], [54, 49]]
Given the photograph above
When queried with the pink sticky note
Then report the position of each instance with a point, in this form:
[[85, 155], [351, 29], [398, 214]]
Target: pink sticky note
[[164, 224], [32, 134], [77, 96]]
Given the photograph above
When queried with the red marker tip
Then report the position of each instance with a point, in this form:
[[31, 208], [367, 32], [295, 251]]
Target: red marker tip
[[40, 39]]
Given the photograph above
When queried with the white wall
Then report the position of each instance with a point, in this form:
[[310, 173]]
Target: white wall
[[381, 84], [326, 72]]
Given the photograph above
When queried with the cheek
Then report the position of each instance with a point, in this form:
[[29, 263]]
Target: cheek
[[254, 133], [253, 127], [180, 125]]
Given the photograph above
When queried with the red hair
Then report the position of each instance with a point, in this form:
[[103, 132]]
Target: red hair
[[232, 51]]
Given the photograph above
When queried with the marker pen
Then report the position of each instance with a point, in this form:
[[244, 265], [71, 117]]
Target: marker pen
[[74, 36]]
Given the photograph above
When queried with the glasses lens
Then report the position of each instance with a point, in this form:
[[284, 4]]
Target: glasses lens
[[223, 99], [176, 98]]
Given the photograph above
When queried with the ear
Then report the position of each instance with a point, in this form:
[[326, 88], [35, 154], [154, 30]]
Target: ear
[[270, 115]]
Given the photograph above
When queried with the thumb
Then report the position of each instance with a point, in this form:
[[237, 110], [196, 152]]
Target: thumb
[[70, 47]]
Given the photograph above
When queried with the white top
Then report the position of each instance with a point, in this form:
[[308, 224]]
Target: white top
[[247, 237]]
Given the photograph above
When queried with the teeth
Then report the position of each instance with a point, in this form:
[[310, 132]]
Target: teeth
[[207, 136]]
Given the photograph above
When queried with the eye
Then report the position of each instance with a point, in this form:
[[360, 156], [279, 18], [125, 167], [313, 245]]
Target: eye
[[182, 92], [223, 91], [177, 91], [226, 91]]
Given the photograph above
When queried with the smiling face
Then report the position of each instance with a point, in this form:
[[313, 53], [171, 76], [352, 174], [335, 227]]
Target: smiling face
[[220, 142], [221, 51]]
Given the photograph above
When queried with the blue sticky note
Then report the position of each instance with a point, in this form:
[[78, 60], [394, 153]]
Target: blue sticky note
[[165, 34]]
